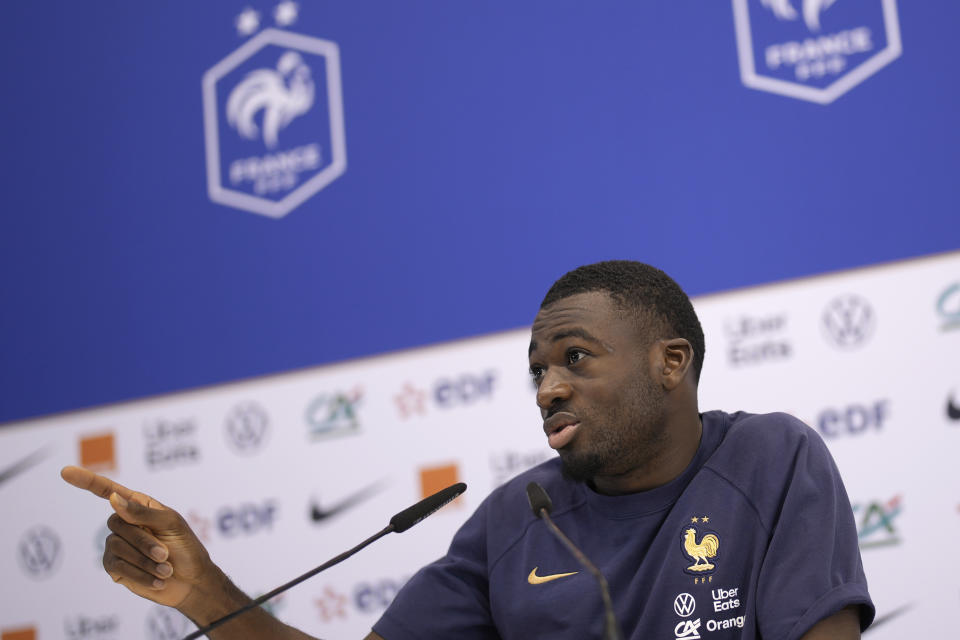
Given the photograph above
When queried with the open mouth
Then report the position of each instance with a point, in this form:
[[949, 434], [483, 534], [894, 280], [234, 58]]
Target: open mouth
[[560, 430]]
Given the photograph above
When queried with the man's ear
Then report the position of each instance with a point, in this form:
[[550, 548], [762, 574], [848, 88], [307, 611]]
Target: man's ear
[[674, 358]]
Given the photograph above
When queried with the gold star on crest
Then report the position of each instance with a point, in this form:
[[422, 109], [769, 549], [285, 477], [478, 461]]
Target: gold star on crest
[[705, 518], [694, 520]]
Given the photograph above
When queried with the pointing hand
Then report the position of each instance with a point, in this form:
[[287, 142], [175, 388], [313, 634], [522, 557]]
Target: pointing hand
[[152, 551]]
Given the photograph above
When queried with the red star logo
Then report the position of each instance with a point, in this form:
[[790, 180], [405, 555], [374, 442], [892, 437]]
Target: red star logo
[[410, 400], [331, 605], [200, 525]]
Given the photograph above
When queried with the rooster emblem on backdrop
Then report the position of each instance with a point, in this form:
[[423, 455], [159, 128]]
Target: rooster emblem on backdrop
[[282, 95], [811, 10], [700, 551]]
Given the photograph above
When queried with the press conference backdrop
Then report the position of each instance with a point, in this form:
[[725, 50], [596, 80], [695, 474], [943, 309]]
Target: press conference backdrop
[[278, 474], [196, 193], [204, 203]]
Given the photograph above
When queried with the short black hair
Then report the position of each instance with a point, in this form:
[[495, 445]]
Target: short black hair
[[640, 288]]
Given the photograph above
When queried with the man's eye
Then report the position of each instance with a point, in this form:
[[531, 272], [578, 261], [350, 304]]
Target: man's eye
[[575, 355], [536, 372]]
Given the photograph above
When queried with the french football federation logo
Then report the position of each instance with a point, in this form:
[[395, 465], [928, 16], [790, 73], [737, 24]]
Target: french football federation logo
[[811, 10], [703, 547], [836, 46], [281, 94], [273, 120]]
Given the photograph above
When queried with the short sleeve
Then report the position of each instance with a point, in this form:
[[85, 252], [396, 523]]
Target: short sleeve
[[448, 598], [812, 567]]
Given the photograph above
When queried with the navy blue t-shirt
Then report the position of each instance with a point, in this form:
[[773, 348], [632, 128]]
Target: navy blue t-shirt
[[755, 539]]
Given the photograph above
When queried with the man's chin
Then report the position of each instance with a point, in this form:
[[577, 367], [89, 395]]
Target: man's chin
[[578, 467]]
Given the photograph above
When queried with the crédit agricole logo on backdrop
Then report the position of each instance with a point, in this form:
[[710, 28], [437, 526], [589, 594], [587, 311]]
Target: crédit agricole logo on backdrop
[[273, 118], [814, 50]]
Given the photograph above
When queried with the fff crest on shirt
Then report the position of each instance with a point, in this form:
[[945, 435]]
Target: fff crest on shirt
[[700, 545]]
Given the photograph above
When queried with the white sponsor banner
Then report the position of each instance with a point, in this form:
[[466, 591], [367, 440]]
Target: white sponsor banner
[[280, 473]]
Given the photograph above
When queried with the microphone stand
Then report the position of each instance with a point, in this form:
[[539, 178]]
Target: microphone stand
[[309, 574], [610, 623], [398, 523]]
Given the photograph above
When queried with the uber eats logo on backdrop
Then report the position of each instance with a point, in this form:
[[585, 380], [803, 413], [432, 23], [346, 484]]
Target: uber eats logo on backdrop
[[170, 442]]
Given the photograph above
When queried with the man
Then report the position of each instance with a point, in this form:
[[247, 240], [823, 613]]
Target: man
[[705, 525]]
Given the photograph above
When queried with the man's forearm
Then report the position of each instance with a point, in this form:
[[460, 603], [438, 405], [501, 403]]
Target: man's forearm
[[221, 597]]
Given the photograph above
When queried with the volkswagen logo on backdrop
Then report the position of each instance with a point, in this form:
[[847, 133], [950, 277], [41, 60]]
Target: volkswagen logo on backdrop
[[948, 306], [848, 321], [39, 551], [246, 427]]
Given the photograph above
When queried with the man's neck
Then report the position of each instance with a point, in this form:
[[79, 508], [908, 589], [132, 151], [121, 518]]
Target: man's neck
[[670, 462]]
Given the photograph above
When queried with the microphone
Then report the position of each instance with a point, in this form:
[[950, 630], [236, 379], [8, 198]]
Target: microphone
[[398, 524], [426, 507], [541, 505]]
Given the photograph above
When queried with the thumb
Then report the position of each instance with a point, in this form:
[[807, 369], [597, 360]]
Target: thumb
[[133, 512]]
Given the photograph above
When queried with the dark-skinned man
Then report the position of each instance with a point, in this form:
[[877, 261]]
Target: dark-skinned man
[[704, 524]]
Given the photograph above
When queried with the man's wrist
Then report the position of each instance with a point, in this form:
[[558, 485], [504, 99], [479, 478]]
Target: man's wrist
[[212, 599]]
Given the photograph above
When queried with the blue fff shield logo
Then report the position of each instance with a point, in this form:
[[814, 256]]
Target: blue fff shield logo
[[273, 119], [814, 50]]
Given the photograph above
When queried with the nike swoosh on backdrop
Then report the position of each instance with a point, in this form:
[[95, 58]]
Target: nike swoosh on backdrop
[[533, 578], [953, 411], [887, 617], [22, 465], [318, 513]]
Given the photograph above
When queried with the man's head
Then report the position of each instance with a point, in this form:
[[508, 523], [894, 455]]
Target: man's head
[[657, 303], [616, 378]]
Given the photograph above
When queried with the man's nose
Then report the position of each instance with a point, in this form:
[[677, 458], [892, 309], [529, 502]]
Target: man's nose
[[553, 388]]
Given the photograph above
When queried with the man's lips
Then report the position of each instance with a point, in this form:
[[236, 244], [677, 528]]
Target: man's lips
[[560, 429]]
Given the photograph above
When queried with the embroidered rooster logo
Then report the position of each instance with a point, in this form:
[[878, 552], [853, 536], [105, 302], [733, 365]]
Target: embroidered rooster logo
[[282, 95], [811, 10], [700, 551]]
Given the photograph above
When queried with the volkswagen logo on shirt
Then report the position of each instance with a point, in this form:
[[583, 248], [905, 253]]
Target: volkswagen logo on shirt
[[246, 427], [848, 321], [684, 605], [39, 551]]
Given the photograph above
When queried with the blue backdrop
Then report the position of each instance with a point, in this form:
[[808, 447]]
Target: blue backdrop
[[490, 147]]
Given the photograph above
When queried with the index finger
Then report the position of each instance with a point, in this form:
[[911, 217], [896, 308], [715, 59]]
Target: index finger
[[96, 484]]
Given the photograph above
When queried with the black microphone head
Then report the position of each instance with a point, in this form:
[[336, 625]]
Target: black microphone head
[[412, 515], [538, 499]]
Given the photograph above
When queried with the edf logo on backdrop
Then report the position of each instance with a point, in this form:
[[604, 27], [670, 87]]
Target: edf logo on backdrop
[[273, 118], [814, 50]]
